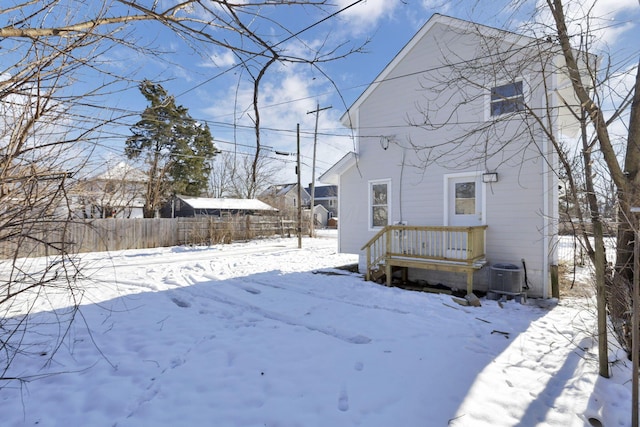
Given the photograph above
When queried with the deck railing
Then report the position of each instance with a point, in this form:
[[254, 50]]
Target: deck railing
[[426, 243]]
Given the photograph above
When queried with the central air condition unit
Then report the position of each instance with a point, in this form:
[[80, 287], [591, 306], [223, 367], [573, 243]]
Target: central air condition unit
[[506, 278]]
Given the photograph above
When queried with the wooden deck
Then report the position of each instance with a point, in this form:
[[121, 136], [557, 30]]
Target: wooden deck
[[440, 248]]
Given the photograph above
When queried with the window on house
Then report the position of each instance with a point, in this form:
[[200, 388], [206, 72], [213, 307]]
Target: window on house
[[330, 203], [379, 204], [507, 98]]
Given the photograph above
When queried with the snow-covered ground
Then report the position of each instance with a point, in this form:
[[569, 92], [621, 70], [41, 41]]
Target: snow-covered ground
[[257, 334]]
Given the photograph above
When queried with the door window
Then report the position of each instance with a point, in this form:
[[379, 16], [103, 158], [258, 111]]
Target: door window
[[465, 198]]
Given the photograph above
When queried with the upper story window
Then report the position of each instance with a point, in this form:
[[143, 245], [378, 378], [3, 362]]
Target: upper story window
[[507, 98]]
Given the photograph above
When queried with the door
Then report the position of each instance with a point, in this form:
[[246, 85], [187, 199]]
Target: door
[[464, 209]]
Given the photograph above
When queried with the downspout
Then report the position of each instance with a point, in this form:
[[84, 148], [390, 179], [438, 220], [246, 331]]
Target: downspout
[[400, 184], [339, 205], [546, 213], [545, 219]]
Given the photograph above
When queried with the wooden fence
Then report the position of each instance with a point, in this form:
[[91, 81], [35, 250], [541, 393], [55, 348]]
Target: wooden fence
[[95, 235]]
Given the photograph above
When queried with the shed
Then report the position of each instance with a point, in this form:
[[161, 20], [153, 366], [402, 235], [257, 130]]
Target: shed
[[186, 206]]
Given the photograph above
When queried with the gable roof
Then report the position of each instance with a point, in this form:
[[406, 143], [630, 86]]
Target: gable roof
[[320, 208], [122, 172], [279, 190], [226, 204], [332, 175], [460, 24], [324, 191]]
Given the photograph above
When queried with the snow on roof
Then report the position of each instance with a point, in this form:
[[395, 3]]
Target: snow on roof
[[122, 172], [227, 204], [278, 190]]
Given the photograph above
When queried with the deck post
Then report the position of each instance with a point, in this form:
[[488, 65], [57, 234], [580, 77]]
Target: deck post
[[367, 274], [387, 266], [469, 281], [388, 272]]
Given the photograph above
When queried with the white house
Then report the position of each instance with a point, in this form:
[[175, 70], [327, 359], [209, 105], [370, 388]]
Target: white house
[[117, 192], [327, 196], [447, 136], [284, 197], [320, 215]]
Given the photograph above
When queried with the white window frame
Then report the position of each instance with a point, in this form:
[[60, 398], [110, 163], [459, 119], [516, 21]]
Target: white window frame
[[370, 185], [499, 83]]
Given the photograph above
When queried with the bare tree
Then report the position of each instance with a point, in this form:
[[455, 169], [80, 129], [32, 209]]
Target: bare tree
[[238, 175], [272, 53], [56, 83], [620, 158], [222, 173]]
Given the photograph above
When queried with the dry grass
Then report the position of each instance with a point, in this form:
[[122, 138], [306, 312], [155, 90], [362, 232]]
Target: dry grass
[[574, 285]]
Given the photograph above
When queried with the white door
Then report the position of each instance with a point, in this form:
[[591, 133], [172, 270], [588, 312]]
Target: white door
[[464, 209], [464, 201]]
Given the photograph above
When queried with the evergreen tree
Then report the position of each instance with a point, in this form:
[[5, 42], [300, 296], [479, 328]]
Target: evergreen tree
[[176, 149]]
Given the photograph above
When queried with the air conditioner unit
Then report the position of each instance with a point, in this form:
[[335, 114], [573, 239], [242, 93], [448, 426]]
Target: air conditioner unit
[[506, 278]]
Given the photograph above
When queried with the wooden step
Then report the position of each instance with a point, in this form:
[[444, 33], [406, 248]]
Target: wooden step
[[377, 273]]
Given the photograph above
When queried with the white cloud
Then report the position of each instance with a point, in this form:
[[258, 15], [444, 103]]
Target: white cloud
[[611, 11], [363, 16], [286, 97], [608, 19], [220, 59]]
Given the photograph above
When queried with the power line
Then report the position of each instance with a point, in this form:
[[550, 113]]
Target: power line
[[294, 35]]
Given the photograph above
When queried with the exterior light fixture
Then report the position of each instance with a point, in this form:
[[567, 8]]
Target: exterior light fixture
[[490, 177]]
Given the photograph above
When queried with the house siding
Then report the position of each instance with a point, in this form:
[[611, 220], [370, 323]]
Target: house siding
[[518, 226]]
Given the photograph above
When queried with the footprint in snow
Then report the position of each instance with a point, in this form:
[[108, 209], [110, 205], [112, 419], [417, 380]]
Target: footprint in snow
[[359, 339], [181, 303], [175, 362], [343, 400]]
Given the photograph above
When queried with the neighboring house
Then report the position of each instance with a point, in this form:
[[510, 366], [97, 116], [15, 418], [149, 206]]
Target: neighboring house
[[284, 197], [327, 196], [419, 173], [186, 206], [320, 216], [118, 192]]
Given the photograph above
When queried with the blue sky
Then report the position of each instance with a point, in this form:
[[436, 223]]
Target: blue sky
[[214, 89]]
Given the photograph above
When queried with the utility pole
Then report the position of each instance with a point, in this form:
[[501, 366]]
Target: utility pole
[[313, 169], [299, 202]]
